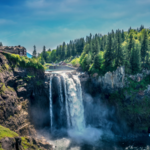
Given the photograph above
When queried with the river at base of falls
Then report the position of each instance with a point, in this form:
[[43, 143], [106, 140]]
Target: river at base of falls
[[118, 143]]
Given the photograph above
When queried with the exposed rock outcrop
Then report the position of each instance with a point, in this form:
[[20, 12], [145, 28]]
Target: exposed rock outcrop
[[27, 143], [112, 80]]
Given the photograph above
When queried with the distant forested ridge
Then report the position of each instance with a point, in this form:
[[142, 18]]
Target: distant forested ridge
[[101, 53]]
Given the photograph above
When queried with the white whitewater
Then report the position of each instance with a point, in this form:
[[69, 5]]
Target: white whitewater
[[70, 97], [74, 102], [60, 88], [64, 79], [50, 101], [61, 98]]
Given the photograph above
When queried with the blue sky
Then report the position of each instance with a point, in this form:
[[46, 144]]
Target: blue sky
[[50, 22]]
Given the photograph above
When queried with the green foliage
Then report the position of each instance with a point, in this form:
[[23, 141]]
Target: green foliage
[[24, 61], [39, 83], [1, 147], [135, 59], [130, 49], [5, 132], [10, 88], [75, 62], [3, 87], [26, 145]]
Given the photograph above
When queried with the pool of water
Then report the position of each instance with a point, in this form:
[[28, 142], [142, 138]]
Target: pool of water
[[142, 143], [57, 71]]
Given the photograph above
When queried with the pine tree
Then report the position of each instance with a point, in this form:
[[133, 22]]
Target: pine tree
[[97, 62], [141, 28], [57, 51], [119, 56], [1, 44], [135, 59], [89, 58], [129, 30], [63, 50], [73, 50], [130, 45], [147, 59], [44, 53], [34, 52], [123, 36], [42, 61], [68, 50], [109, 54], [112, 34], [144, 46], [127, 60]]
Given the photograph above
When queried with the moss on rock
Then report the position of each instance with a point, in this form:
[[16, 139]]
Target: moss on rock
[[5, 132]]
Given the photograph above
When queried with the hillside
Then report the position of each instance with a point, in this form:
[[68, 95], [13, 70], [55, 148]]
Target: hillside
[[101, 53], [20, 80]]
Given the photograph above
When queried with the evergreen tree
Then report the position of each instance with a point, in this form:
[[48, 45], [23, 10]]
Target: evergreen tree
[[57, 51], [42, 61], [1, 44], [144, 46], [34, 52], [135, 59], [44, 53], [109, 54], [130, 45], [147, 64], [95, 47], [73, 50], [113, 34], [123, 36], [96, 62], [129, 30], [119, 56], [63, 50], [68, 50], [89, 58], [141, 28], [127, 60], [101, 45]]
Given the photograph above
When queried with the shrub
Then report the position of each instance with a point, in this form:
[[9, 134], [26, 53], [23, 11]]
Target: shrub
[[75, 62], [24, 61]]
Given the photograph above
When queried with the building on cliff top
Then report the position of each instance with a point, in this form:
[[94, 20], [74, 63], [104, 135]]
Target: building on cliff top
[[14, 50]]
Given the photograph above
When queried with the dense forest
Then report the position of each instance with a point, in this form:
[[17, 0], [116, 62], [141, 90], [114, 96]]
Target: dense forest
[[101, 53]]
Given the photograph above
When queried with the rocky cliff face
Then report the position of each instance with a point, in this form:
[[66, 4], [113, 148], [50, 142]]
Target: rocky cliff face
[[113, 80], [128, 94], [23, 99]]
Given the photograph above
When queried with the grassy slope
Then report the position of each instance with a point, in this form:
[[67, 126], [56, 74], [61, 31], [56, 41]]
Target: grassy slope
[[6, 132]]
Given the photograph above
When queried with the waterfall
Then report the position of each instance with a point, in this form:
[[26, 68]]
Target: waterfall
[[50, 101], [74, 102], [64, 78], [70, 99], [61, 100]]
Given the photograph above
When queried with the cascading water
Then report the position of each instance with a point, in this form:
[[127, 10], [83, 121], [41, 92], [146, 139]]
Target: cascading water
[[50, 99], [70, 101]]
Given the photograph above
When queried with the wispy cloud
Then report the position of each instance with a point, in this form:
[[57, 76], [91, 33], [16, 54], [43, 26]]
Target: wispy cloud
[[6, 22], [143, 1]]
